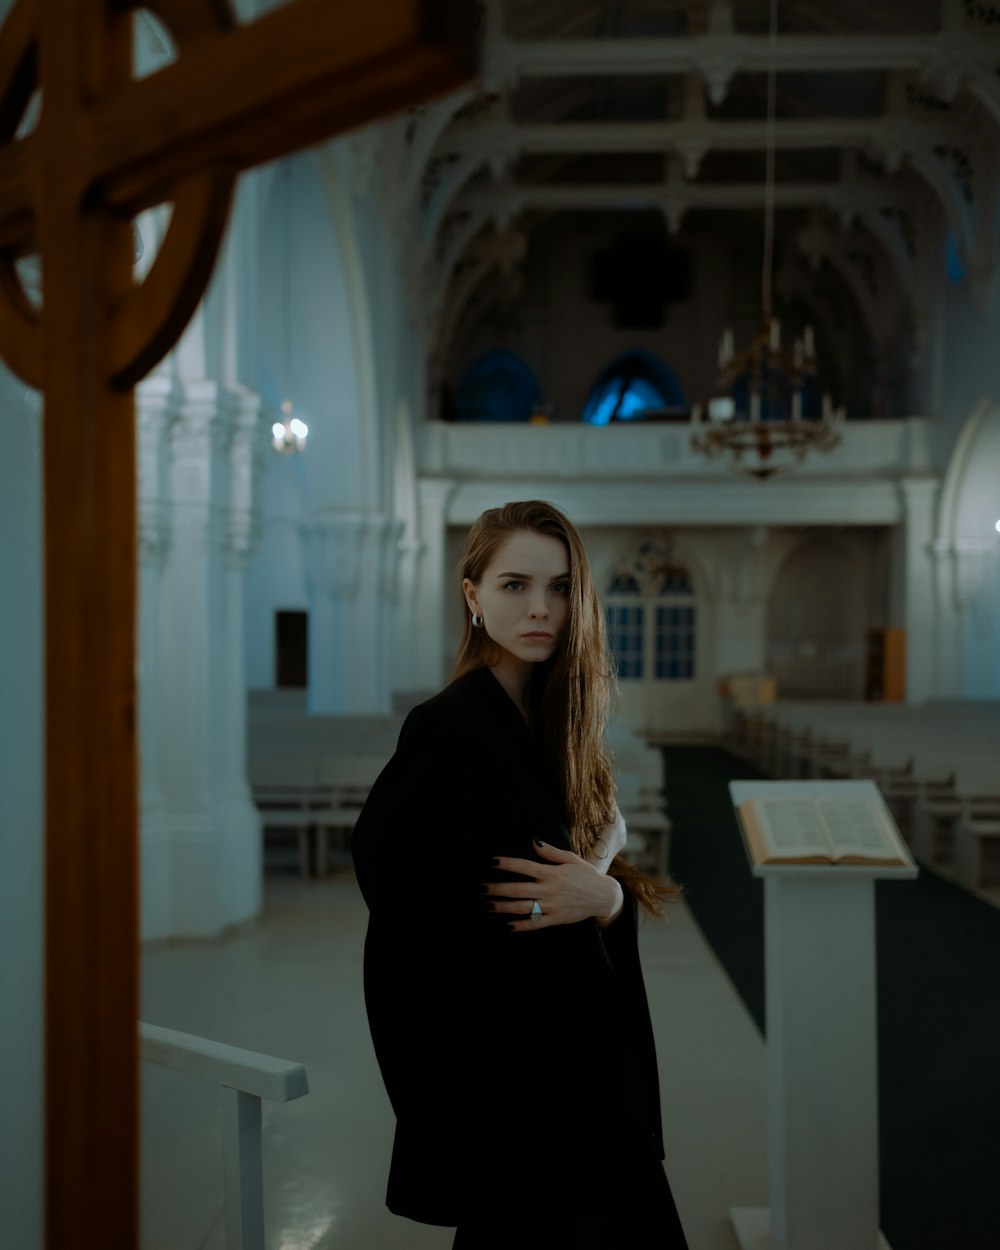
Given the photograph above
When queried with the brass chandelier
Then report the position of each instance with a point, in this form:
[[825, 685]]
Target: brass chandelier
[[767, 414]]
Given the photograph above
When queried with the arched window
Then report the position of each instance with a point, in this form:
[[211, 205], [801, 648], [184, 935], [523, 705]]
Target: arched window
[[650, 615], [631, 385], [499, 386], [625, 615]]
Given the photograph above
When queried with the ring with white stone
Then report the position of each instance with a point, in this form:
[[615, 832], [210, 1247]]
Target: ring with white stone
[[536, 910]]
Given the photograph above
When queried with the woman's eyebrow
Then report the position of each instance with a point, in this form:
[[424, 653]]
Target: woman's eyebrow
[[526, 577]]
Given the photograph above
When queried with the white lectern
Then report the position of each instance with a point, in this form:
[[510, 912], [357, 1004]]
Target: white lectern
[[819, 952]]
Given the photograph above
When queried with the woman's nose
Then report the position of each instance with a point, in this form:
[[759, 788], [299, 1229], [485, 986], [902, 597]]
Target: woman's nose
[[538, 609]]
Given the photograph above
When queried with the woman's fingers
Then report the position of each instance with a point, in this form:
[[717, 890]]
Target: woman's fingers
[[523, 867], [531, 867], [567, 889], [511, 889], [554, 853], [529, 926], [500, 893], [513, 907]]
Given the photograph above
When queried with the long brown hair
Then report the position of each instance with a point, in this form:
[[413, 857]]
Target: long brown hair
[[569, 697]]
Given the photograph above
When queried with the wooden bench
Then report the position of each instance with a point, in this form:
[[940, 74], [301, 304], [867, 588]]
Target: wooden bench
[[310, 812], [339, 820], [647, 844], [934, 821], [285, 809], [977, 852]]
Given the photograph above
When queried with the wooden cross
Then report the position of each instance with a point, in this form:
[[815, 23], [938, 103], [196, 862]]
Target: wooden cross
[[105, 147]]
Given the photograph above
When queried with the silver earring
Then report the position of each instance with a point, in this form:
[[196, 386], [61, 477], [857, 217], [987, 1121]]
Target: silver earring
[[477, 621]]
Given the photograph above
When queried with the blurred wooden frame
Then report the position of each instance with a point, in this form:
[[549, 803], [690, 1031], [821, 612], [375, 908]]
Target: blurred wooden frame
[[106, 146]]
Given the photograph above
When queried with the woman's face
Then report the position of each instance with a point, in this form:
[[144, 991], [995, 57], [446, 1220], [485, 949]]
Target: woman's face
[[523, 595]]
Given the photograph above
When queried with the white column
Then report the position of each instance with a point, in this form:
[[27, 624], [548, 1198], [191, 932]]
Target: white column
[[404, 616], [190, 663], [436, 587], [381, 602], [333, 555], [919, 513], [351, 563], [155, 416], [974, 564], [948, 625], [236, 816]]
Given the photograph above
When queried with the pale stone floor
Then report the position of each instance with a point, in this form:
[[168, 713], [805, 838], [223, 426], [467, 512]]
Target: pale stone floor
[[289, 985]]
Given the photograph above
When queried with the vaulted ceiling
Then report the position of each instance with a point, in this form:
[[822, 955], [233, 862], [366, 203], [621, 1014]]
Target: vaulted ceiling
[[885, 137]]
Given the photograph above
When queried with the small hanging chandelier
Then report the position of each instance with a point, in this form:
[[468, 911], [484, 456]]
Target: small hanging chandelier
[[767, 415], [289, 435]]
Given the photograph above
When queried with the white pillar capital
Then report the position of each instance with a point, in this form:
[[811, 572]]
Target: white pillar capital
[[247, 448], [436, 493], [155, 418], [390, 558], [333, 545], [919, 494], [204, 418]]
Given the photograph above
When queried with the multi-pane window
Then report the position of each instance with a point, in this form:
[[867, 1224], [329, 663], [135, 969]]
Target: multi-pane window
[[625, 630], [674, 643], [653, 633], [626, 625]]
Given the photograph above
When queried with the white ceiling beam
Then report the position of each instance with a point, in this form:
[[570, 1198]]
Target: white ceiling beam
[[699, 133], [552, 58], [513, 200]]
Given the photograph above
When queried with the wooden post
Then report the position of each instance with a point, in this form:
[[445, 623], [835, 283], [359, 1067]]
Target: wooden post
[[103, 148], [91, 920]]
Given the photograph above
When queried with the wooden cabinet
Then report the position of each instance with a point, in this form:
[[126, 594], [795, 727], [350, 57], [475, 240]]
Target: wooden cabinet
[[885, 665]]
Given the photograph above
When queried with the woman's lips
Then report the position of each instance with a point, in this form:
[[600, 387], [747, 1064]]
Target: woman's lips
[[538, 636]]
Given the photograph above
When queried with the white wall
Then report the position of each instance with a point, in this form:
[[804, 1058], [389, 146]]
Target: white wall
[[21, 824]]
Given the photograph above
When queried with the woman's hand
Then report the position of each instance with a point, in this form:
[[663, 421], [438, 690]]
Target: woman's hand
[[610, 842], [567, 889]]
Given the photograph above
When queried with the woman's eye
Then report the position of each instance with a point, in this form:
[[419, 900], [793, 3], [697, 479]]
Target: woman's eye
[[513, 585], [561, 588]]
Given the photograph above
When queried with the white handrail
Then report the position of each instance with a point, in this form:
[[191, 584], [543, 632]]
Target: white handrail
[[247, 1077]]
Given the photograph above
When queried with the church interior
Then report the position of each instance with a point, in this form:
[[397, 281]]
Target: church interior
[[719, 279]]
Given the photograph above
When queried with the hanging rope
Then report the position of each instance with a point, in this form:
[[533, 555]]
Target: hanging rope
[[286, 279], [769, 169]]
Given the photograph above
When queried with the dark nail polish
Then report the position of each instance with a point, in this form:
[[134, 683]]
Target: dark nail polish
[[495, 863], [484, 889], [491, 906], [511, 927], [539, 842]]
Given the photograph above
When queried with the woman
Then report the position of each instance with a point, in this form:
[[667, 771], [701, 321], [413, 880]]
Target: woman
[[502, 976]]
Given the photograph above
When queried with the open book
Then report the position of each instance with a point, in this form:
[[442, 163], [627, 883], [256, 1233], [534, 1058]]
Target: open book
[[820, 831]]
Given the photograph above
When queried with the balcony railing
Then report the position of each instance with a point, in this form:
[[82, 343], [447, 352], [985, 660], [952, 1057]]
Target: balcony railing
[[246, 1078]]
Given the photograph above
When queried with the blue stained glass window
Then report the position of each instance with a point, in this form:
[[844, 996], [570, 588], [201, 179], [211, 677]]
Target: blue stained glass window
[[499, 386], [632, 384]]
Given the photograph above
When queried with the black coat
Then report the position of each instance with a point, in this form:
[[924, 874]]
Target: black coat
[[505, 1055]]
